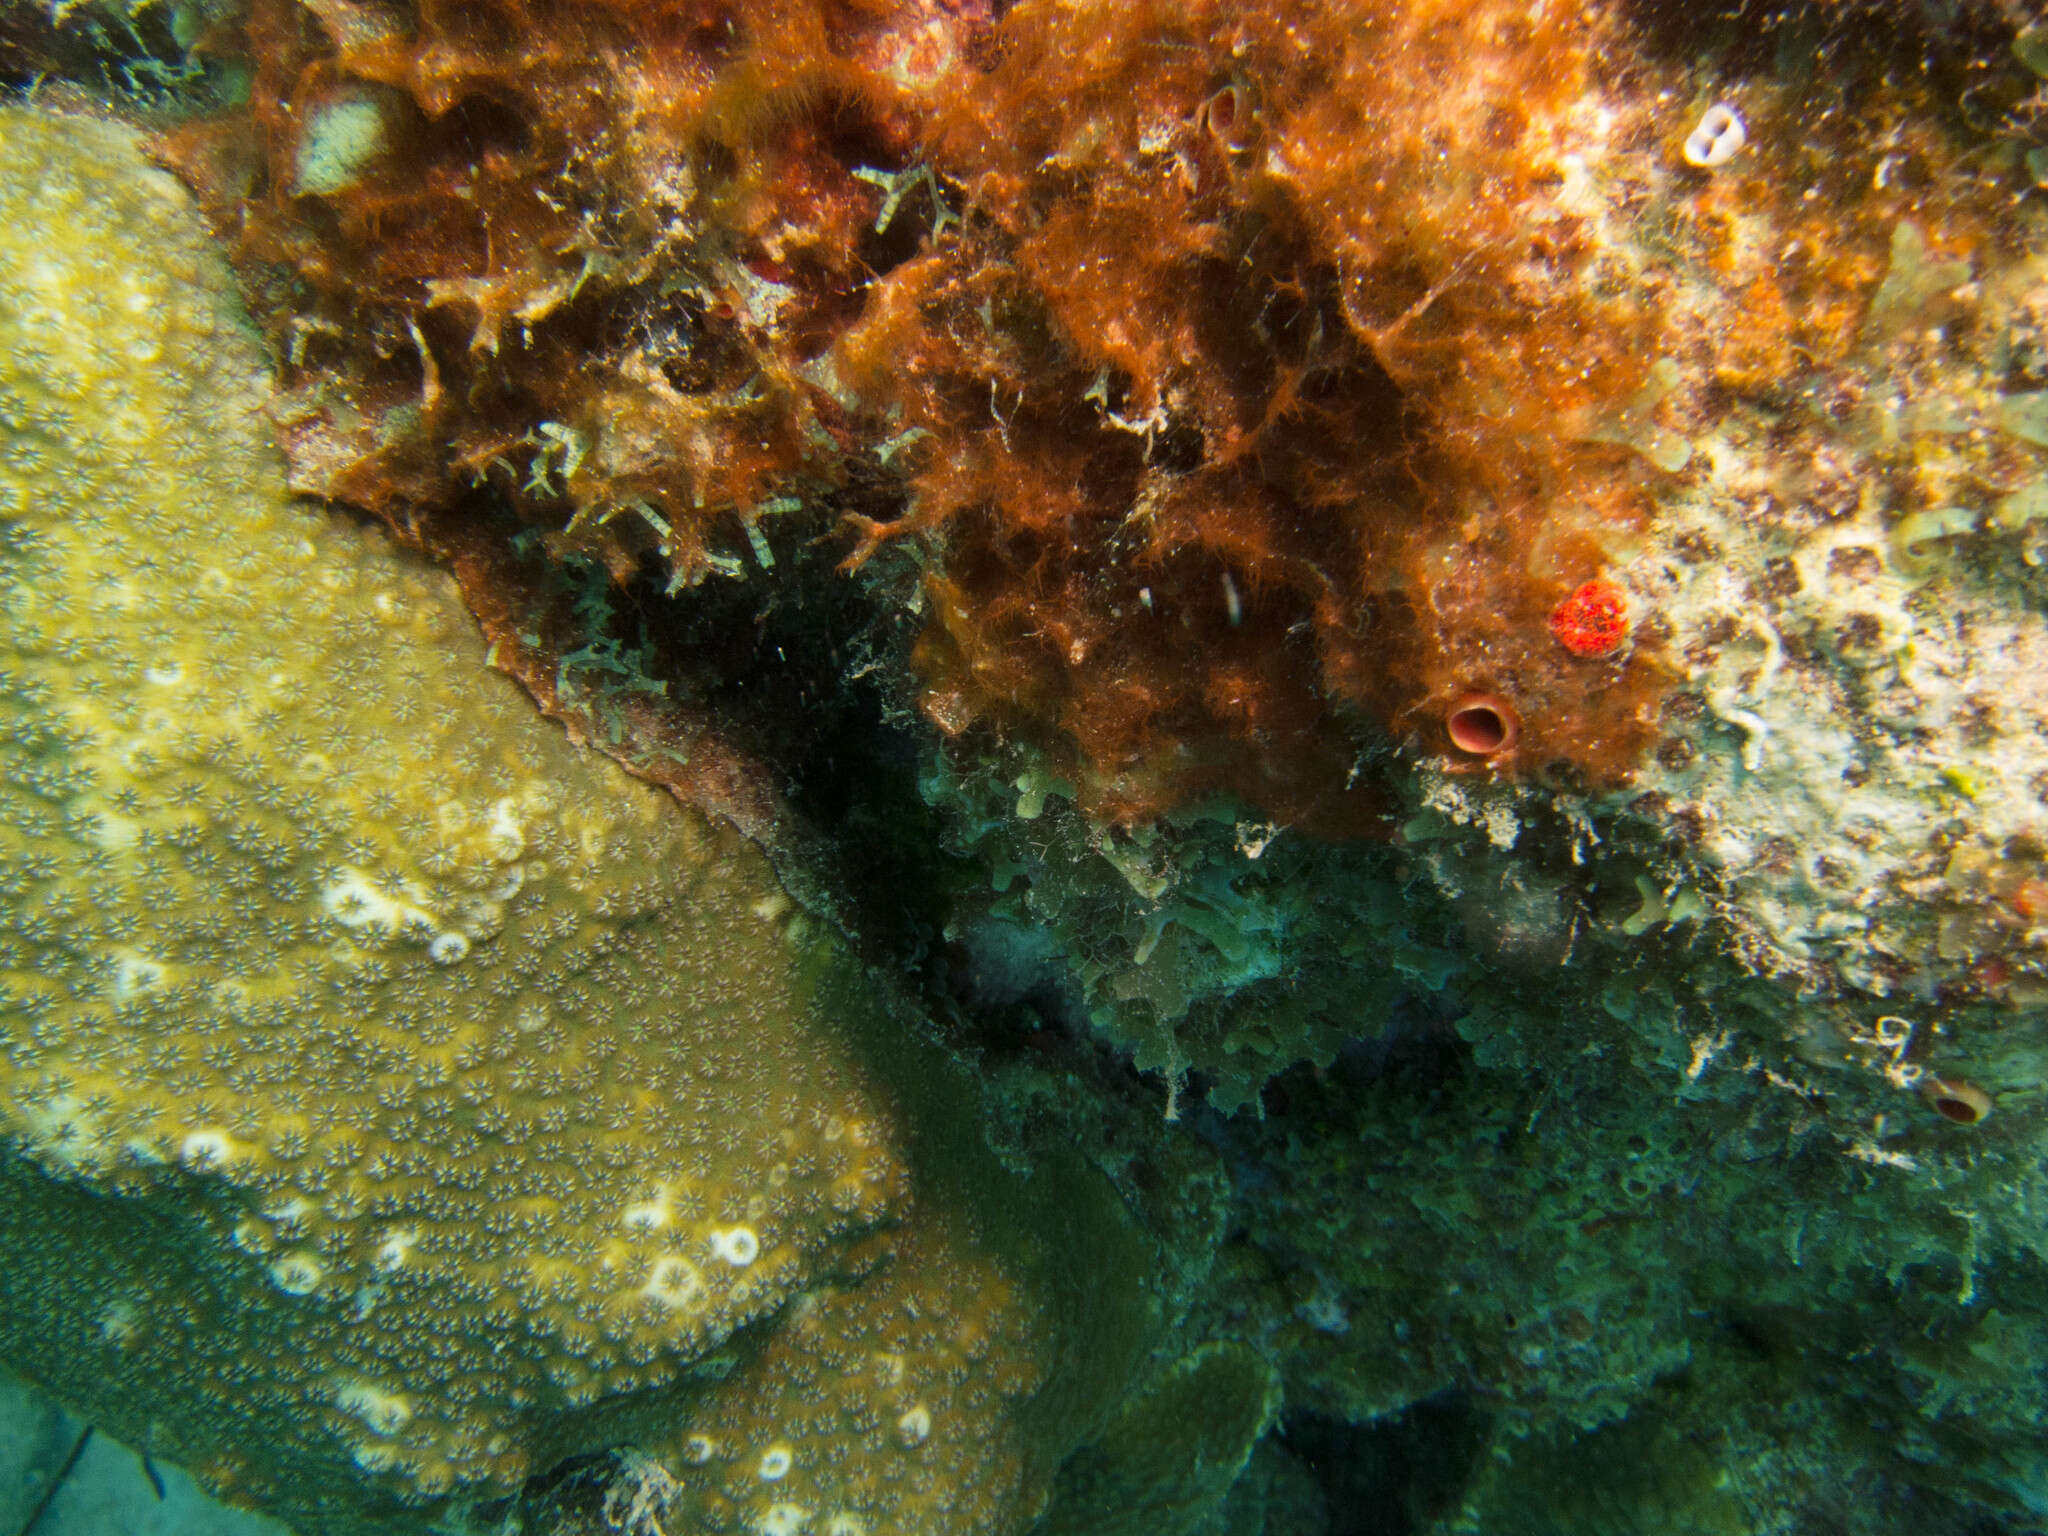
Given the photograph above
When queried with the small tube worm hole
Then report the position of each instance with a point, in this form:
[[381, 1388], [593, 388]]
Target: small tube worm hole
[[1480, 725], [1953, 1099]]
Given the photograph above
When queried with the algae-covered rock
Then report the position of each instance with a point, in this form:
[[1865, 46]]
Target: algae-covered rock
[[1636, 1128], [397, 1100]]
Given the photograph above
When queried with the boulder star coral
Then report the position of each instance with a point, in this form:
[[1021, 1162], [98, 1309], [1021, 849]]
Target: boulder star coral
[[395, 1099]]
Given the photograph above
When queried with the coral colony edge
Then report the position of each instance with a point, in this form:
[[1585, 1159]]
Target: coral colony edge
[[1027, 767]]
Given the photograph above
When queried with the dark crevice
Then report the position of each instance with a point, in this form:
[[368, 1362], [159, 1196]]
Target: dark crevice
[[1391, 1477], [786, 660]]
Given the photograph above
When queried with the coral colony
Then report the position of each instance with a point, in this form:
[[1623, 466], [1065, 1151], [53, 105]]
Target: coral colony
[[1085, 767]]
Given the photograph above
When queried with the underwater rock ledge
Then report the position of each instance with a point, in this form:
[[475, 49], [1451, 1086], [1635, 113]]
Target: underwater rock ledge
[[1448, 598]]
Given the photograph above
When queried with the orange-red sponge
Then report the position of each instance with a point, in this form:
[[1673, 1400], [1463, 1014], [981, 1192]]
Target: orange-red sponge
[[1593, 621]]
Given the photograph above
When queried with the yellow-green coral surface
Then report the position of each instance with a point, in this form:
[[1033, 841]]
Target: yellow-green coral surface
[[396, 1099]]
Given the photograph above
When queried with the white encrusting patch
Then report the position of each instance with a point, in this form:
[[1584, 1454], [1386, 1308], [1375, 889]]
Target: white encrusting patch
[[1716, 139], [507, 839], [134, 975], [385, 1412], [914, 1426], [674, 1282], [353, 900], [738, 1246], [344, 137], [647, 1215], [206, 1149], [298, 1273]]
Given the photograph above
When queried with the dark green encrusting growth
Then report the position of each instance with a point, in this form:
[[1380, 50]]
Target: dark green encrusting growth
[[1183, 945], [1661, 1271], [1582, 1196]]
